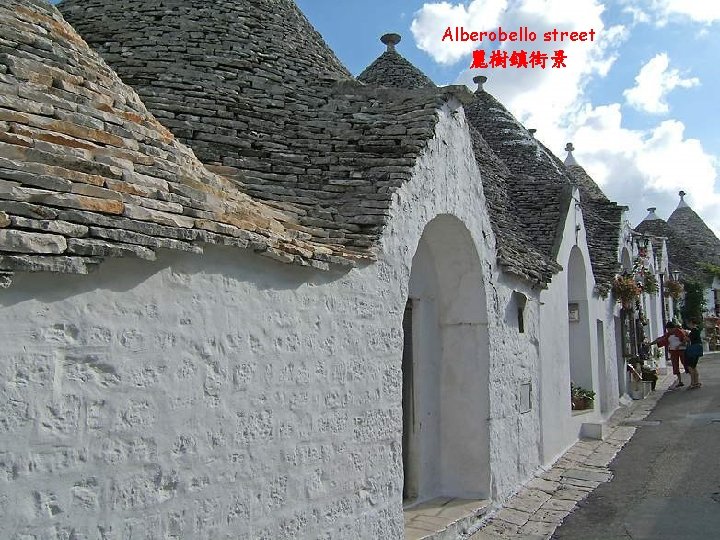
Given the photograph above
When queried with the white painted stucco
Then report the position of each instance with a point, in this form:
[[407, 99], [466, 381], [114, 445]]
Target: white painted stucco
[[227, 396], [564, 344], [709, 295]]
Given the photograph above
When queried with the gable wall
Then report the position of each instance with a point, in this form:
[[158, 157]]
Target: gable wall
[[224, 395], [560, 427]]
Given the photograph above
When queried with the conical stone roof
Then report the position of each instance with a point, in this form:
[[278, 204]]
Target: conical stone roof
[[701, 240], [516, 252], [251, 87], [685, 222], [538, 187], [589, 189], [87, 172], [391, 69], [681, 257], [603, 219], [213, 70]]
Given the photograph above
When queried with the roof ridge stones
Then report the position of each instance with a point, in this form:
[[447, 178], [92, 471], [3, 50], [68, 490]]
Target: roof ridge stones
[[540, 188], [86, 172], [251, 87], [515, 251], [393, 70], [537, 187], [689, 240]]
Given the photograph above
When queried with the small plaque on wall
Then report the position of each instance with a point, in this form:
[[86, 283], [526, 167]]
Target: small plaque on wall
[[525, 397], [573, 312]]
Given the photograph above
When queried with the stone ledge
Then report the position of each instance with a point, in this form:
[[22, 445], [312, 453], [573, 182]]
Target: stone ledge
[[443, 518]]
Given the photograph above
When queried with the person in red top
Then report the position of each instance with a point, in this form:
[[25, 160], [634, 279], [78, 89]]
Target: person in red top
[[673, 338]]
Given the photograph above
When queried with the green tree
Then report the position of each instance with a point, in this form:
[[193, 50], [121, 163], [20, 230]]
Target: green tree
[[693, 304]]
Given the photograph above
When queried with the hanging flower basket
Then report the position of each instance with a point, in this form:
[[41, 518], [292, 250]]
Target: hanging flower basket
[[674, 289], [626, 290], [650, 284]]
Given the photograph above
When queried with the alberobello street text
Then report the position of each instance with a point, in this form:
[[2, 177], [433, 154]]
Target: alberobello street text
[[523, 33]]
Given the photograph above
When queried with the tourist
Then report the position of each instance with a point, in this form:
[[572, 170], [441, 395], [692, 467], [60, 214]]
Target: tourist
[[693, 352], [672, 339]]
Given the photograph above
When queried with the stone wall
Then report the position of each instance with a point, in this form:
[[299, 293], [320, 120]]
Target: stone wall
[[226, 396], [560, 426]]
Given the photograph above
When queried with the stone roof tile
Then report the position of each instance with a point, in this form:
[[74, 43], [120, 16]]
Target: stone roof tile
[[603, 220], [253, 89], [538, 187], [685, 222], [392, 69], [693, 242], [515, 249], [681, 256], [87, 172]]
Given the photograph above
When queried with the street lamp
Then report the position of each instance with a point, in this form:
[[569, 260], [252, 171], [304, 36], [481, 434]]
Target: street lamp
[[676, 278]]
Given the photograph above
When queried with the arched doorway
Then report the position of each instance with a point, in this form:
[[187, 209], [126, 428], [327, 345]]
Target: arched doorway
[[622, 331], [626, 261], [446, 406], [579, 322], [653, 312]]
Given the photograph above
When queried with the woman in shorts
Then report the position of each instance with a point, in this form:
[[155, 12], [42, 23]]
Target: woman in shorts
[[672, 339], [693, 352]]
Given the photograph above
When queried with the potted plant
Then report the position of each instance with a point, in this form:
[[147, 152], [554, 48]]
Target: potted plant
[[581, 398], [625, 290]]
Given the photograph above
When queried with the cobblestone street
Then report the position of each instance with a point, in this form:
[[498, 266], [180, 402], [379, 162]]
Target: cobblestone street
[[542, 505]]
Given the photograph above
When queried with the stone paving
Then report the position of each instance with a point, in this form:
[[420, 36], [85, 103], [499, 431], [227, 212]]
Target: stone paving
[[443, 517], [540, 507]]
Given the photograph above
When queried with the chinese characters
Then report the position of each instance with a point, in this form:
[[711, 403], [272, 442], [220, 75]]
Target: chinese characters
[[517, 59]]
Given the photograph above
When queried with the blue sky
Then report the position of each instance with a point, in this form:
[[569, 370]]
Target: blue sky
[[638, 103], [643, 140]]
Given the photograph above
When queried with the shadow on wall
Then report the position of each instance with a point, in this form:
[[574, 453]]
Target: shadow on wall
[[122, 275]]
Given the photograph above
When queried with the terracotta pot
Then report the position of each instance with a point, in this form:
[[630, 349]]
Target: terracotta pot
[[581, 404]]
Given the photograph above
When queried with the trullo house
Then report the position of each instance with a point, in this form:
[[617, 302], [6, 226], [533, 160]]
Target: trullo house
[[247, 295]]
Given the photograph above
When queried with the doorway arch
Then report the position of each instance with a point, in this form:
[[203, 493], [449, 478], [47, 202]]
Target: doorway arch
[[446, 404], [579, 351], [626, 261]]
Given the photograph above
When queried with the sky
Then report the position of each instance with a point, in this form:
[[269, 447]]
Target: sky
[[638, 102]]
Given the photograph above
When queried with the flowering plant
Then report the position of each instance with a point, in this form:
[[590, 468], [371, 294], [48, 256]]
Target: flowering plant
[[650, 284], [674, 289], [581, 398], [625, 290]]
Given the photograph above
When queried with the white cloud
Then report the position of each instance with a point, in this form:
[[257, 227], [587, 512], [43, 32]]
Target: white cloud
[[662, 11], [654, 82], [637, 13], [641, 168], [646, 167], [560, 91], [431, 21]]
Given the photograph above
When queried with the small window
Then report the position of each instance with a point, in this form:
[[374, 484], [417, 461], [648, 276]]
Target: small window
[[518, 301], [521, 319]]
